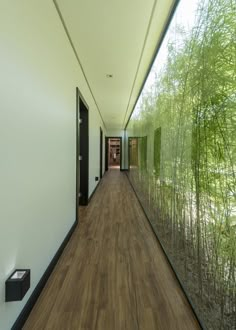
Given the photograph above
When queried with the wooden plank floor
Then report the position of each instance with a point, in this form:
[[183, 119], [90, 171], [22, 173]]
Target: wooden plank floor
[[112, 274]]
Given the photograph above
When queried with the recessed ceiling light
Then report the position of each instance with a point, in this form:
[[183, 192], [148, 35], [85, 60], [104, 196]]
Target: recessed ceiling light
[[109, 75]]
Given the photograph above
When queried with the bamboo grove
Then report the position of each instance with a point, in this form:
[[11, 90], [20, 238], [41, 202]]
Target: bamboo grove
[[182, 152]]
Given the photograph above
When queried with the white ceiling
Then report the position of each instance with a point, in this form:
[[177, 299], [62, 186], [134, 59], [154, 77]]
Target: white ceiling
[[117, 37]]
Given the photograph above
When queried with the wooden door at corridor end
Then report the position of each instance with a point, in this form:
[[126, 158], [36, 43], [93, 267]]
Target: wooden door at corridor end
[[107, 151]]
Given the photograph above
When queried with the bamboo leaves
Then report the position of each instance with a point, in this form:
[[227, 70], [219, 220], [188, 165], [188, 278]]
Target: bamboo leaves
[[188, 186]]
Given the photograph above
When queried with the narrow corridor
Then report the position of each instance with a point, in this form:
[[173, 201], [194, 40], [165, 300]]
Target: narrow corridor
[[112, 274]]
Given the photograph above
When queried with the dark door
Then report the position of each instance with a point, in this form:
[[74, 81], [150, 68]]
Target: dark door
[[106, 153], [77, 156], [101, 151], [83, 152]]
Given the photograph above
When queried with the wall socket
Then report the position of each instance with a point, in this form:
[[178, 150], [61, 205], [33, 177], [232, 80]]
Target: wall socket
[[96, 178]]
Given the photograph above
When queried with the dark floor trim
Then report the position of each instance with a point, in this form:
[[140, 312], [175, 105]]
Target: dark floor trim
[[95, 189], [38, 289], [124, 169], [169, 261]]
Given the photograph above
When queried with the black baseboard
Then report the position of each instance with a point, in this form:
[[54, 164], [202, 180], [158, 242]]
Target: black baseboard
[[91, 196], [38, 289], [124, 169], [168, 259]]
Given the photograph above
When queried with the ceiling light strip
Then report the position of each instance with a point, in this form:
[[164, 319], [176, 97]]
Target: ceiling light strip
[[77, 57], [169, 18], [141, 56]]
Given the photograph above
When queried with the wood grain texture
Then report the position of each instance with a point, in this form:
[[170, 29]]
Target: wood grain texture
[[113, 273]]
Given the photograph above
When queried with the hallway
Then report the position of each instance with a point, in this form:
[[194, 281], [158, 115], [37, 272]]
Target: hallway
[[112, 274]]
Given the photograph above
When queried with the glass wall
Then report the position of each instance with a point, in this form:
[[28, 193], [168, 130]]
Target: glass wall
[[182, 152]]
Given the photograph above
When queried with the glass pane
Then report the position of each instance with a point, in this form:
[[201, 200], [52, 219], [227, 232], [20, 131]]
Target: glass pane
[[182, 147]]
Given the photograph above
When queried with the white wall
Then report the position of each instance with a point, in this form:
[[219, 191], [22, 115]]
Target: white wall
[[126, 150], [94, 152], [38, 78]]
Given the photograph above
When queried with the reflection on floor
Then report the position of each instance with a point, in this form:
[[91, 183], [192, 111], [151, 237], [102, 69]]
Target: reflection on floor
[[112, 274]]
